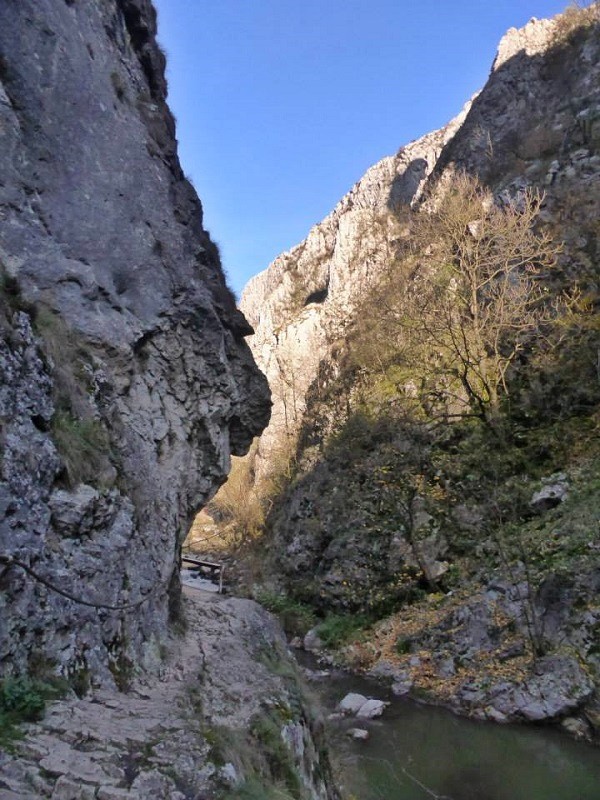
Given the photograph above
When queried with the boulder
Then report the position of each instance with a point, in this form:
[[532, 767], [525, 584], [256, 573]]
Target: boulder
[[361, 706], [156, 785], [351, 703], [577, 727], [371, 709], [402, 685], [558, 686], [312, 642], [553, 492], [316, 674]]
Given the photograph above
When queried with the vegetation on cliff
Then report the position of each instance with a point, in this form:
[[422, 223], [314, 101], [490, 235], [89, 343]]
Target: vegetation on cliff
[[454, 385], [441, 474], [455, 450]]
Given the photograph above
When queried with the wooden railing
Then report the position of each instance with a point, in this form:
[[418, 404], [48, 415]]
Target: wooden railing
[[208, 569]]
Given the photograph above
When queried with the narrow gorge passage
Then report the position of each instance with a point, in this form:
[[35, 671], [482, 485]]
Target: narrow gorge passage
[[394, 441]]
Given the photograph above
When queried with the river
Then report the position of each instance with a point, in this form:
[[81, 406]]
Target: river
[[416, 751]]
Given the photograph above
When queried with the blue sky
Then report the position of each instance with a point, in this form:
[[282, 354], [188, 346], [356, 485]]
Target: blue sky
[[282, 105]]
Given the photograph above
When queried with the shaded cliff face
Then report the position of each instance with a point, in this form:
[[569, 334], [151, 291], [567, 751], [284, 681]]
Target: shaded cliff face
[[537, 121], [125, 382]]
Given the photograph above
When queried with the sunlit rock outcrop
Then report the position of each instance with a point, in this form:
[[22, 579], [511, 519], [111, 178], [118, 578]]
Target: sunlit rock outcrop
[[300, 307]]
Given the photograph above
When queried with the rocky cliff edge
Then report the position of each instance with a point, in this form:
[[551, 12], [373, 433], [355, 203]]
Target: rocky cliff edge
[[125, 382]]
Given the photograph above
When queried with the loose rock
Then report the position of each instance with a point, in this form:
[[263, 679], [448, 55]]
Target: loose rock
[[360, 734]]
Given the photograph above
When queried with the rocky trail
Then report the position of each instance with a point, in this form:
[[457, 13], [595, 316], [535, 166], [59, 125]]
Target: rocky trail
[[159, 739], [116, 745]]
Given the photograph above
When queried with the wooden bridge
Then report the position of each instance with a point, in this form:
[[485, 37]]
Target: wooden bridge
[[207, 569]]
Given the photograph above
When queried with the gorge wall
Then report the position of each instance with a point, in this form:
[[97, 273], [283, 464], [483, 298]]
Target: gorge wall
[[535, 123], [386, 509], [125, 381], [302, 305]]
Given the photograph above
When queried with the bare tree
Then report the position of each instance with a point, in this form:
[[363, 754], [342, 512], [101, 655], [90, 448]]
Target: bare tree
[[465, 298]]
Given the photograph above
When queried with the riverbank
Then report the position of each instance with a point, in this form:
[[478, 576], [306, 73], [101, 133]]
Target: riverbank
[[415, 750], [464, 651], [510, 631], [225, 715]]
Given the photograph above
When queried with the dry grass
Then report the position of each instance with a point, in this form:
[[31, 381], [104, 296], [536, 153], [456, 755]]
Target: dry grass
[[572, 21], [237, 507], [205, 536], [236, 516], [416, 621]]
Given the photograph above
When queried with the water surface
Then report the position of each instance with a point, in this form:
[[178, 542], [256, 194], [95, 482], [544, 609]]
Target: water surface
[[416, 751]]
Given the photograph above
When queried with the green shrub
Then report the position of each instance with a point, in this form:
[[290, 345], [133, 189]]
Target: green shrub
[[267, 732], [337, 629], [84, 447], [403, 645], [81, 439], [10, 292], [23, 699], [254, 789], [296, 618]]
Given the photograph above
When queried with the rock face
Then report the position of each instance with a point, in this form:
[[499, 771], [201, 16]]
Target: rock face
[[337, 543], [537, 115], [445, 652], [301, 305], [534, 124], [125, 382]]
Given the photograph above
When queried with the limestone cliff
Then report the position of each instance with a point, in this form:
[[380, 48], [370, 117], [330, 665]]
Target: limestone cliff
[[535, 123], [343, 532], [300, 307], [125, 381]]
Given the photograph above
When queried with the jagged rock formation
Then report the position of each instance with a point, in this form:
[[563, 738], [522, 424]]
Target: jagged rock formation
[[537, 115], [535, 124], [125, 382], [301, 305]]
